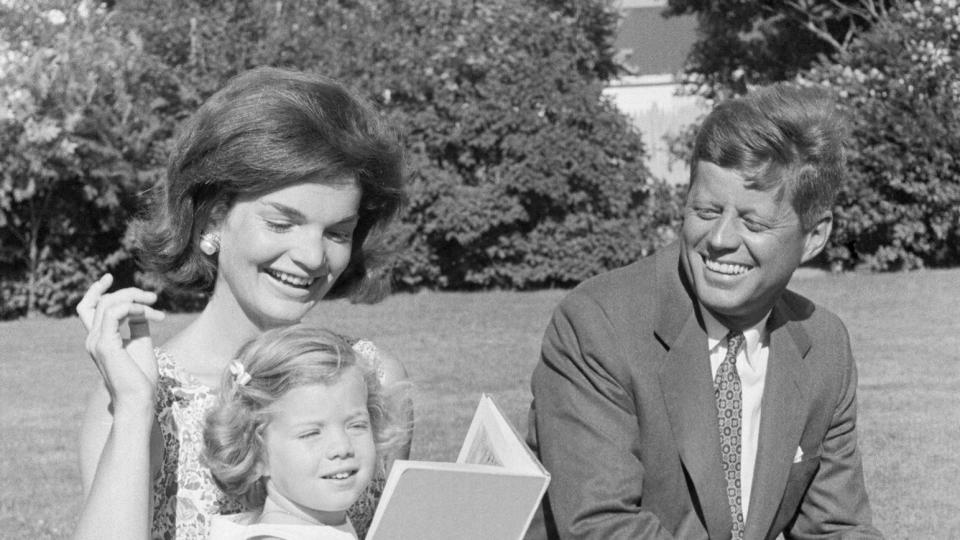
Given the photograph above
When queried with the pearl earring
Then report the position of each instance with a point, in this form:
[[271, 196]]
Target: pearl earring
[[209, 243]]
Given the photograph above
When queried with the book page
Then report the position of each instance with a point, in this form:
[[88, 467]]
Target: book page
[[481, 450], [483, 442], [514, 449], [492, 439]]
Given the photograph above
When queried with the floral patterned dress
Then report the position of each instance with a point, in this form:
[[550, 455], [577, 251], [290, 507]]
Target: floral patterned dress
[[184, 493]]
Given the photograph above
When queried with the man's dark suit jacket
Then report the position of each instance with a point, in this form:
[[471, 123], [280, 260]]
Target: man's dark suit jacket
[[624, 418]]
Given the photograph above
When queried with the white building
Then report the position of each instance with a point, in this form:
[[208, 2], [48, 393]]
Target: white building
[[654, 49]]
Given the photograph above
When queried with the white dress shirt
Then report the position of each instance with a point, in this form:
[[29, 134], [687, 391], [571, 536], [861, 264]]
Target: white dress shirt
[[752, 368]]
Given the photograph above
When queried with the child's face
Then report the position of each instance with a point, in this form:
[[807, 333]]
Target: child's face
[[319, 452], [281, 252]]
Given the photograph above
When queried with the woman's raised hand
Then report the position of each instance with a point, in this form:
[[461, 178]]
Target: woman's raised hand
[[129, 369]]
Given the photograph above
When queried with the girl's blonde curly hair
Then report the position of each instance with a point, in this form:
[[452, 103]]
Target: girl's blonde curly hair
[[276, 362]]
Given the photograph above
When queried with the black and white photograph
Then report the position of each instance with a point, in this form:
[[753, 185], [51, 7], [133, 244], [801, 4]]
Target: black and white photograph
[[479, 269]]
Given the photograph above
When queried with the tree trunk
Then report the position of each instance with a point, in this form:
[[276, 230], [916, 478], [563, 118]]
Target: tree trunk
[[34, 264]]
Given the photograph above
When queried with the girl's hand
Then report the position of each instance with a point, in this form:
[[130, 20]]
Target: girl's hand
[[129, 369]]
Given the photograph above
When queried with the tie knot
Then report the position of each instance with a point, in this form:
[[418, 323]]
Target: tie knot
[[735, 340]]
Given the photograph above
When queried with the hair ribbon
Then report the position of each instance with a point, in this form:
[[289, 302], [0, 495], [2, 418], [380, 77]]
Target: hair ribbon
[[240, 375]]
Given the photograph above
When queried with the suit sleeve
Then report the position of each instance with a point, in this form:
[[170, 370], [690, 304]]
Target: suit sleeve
[[584, 426], [835, 504]]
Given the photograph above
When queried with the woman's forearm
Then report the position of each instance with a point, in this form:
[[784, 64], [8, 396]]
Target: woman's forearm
[[117, 505]]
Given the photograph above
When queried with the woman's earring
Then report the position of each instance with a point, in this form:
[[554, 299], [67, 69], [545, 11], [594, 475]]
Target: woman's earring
[[209, 243]]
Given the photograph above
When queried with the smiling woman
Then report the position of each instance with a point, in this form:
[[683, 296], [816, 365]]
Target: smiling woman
[[280, 253], [275, 193]]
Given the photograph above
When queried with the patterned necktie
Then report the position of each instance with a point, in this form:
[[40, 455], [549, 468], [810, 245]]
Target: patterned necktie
[[729, 411]]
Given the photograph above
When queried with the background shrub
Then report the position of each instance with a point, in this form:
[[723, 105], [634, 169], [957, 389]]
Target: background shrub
[[900, 208], [523, 176], [744, 43], [81, 132]]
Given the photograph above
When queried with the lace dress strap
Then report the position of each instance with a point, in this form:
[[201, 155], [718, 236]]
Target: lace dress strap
[[184, 493]]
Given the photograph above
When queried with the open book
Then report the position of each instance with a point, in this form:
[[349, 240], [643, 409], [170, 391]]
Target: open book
[[490, 493]]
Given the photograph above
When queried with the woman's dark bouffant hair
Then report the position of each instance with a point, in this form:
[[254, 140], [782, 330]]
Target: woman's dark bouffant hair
[[278, 361], [269, 128]]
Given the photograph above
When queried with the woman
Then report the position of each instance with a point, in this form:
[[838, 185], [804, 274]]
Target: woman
[[276, 190]]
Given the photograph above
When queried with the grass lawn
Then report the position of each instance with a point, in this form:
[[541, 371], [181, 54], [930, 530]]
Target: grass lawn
[[905, 330]]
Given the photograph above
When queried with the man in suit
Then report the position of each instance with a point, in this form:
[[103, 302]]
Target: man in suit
[[690, 394]]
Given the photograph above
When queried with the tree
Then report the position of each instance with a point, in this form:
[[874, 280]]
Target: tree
[[746, 43], [900, 208], [77, 134]]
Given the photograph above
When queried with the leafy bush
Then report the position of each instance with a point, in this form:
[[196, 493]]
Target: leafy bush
[[522, 175], [78, 133], [900, 208], [744, 43]]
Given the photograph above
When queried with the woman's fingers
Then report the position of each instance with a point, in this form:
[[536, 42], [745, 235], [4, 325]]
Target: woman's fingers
[[123, 296], [107, 326], [127, 377], [139, 321], [128, 369], [87, 306]]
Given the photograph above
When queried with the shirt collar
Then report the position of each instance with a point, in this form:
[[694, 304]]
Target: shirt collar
[[755, 336]]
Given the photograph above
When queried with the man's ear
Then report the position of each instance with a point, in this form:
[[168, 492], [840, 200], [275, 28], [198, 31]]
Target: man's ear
[[816, 238]]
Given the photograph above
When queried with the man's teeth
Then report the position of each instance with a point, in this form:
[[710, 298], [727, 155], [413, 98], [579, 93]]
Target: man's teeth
[[290, 279], [726, 268], [339, 476]]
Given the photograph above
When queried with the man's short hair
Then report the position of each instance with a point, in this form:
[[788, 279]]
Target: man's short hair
[[782, 137]]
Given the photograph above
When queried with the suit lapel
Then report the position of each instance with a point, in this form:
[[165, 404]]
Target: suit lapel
[[688, 394], [782, 418]]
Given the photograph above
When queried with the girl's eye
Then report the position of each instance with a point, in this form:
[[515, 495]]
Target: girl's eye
[[359, 426]]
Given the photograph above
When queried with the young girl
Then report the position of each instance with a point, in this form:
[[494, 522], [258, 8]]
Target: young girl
[[276, 191], [295, 434]]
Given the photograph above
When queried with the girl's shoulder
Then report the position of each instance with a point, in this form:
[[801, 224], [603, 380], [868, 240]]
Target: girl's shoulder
[[244, 526]]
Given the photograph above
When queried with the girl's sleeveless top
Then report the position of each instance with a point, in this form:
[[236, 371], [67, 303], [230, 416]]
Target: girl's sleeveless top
[[238, 527], [184, 493]]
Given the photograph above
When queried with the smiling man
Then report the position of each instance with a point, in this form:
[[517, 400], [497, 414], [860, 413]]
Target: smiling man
[[690, 394]]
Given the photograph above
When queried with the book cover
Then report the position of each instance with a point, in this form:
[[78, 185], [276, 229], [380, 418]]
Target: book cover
[[490, 493]]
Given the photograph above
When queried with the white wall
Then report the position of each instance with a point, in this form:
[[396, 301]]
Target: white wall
[[651, 102]]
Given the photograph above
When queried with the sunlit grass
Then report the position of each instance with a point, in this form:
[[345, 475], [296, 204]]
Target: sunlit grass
[[905, 330]]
